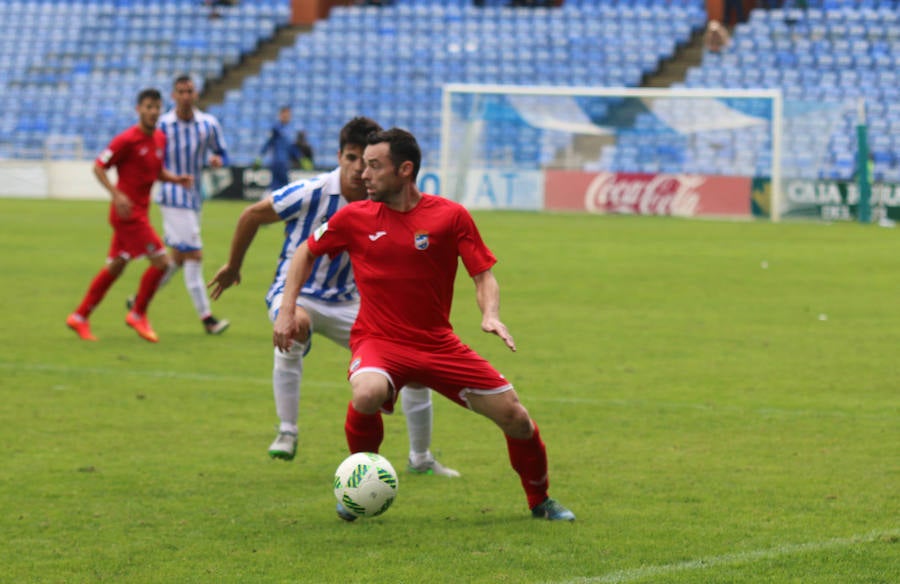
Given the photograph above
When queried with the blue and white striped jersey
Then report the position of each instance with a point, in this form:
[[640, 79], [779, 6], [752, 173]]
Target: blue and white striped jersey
[[188, 144], [305, 205]]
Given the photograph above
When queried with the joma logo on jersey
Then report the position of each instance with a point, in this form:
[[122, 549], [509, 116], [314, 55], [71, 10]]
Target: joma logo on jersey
[[421, 239]]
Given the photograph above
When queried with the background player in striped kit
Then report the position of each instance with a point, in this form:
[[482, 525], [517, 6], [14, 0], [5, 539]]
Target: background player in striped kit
[[329, 301], [137, 154], [193, 139]]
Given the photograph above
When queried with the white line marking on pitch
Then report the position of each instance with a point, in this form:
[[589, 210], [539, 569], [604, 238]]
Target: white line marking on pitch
[[705, 407], [636, 574], [48, 368], [265, 380]]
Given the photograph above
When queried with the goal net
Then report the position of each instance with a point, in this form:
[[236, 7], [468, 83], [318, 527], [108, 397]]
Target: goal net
[[689, 152]]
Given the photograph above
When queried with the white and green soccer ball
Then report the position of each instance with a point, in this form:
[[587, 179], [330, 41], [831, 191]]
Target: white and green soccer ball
[[365, 484]]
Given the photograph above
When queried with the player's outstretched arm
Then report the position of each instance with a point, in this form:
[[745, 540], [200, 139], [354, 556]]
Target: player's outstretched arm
[[487, 293], [285, 328], [259, 213]]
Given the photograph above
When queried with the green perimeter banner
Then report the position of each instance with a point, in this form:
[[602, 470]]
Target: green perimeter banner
[[827, 200]]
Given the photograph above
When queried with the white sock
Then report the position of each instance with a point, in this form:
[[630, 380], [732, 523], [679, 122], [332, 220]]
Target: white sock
[[170, 271], [286, 375], [417, 408], [196, 287]]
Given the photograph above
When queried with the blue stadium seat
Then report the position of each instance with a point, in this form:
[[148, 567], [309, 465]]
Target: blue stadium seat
[[103, 52], [836, 51], [617, 46]]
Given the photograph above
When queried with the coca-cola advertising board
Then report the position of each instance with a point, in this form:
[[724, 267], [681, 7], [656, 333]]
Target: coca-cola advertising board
[[683, 195]]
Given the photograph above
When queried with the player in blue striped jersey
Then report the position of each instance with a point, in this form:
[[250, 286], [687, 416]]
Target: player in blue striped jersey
[[328, 301], [193, 140]]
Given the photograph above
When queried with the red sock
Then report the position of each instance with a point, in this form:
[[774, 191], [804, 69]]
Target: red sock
[[364, 431], [96, 291], [149, 285], [529, 459]]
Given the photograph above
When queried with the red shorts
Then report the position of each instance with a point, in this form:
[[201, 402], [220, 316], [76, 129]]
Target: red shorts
[[453, 370], [135, 239]]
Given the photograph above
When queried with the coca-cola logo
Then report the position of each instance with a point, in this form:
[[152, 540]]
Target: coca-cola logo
[[644, 194]]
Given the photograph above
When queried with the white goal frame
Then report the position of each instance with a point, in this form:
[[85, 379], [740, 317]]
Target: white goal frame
[[775, 95]]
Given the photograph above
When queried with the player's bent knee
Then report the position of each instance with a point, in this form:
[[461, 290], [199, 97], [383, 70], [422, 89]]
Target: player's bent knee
[[160, 262], [367, 403], [303, 323], [517, 425], [506, 411], [370, 391], [116, 266]]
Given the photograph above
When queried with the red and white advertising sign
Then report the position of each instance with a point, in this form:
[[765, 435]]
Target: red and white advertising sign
[[683, 195]]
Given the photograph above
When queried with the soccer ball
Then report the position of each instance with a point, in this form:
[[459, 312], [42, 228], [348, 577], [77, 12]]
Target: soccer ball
[[365, 484]]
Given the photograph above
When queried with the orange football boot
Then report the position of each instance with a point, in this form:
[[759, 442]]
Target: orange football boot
[[142, 326], [81, 327]]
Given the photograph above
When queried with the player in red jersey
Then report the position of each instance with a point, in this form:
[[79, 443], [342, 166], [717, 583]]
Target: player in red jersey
[[137, 154], [405, 248]]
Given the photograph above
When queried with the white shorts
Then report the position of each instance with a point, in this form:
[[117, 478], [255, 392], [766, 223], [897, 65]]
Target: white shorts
[[332, 320], [181, 228]]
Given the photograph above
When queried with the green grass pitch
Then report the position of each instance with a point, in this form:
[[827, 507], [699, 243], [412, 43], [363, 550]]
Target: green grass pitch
[[719, 401]]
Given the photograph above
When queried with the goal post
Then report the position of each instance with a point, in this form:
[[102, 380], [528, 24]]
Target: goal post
[[633, 150]]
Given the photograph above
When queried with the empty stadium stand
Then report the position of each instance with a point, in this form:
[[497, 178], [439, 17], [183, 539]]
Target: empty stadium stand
[[390, 62], [69, 71], [71, 68], [824, 59]]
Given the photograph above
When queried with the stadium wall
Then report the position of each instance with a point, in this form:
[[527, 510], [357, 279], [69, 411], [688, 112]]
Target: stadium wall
[[60, 179], [548, 190], [75, 180]]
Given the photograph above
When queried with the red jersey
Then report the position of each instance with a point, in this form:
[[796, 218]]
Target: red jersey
[[405, 265], [138, 158]]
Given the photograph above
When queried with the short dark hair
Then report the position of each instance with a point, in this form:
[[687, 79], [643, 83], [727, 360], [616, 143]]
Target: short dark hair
[[182, 78], [356, 131], [149, 93], [403, 147]]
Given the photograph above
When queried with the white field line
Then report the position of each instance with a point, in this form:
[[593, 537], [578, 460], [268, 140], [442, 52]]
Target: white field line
[[713, 408], [727, 560], [266, 380], [210, 377]]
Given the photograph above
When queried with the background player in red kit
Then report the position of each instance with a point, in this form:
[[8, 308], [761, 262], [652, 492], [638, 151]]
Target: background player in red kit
[[137, 153], [405, 246]]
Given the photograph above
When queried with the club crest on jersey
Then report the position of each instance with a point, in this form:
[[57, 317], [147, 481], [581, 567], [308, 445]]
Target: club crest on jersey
[[421, 239], [318, 233]]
